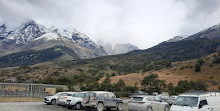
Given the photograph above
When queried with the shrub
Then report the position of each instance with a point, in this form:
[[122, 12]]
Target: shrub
[[113, 74], [182, 67], [197, 68], [216, 60], [59, 90], [200, 62], [151, 84]]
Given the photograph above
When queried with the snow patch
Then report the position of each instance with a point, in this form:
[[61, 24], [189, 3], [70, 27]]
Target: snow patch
[[49, 36]]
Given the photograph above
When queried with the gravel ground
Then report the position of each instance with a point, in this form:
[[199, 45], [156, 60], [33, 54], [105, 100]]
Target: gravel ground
[[32, 106]]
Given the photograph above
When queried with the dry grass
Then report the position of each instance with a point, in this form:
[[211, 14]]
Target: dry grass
[[174, 74], [20, 99]]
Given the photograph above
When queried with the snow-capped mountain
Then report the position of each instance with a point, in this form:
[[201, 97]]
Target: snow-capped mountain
[[119, 48], [123, 48], [33, 36], [2, 31], [210, 33], [177, 38]]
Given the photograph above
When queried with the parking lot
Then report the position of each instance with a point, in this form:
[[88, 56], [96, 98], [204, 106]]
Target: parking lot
[[33, 106]]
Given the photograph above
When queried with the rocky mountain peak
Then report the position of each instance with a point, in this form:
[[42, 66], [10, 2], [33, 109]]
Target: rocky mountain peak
[[119, 48], [177, 38], [2, 28], [31, 35]]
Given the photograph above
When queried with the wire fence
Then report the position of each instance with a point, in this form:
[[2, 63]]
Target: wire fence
[[9, 93]]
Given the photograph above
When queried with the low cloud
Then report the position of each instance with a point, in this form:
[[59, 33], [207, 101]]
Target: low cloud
[[143, 23]]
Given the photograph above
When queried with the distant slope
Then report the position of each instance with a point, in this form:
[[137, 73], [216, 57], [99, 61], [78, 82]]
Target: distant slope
[[210, 33], [182, 70], [31, 57]]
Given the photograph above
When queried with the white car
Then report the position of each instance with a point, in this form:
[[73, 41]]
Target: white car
[[197, 101], [147, 103], [171, 100], [52, 99], [62, 98], [75, 101]]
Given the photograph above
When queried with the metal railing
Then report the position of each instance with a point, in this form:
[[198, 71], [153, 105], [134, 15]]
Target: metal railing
[[6, 93]]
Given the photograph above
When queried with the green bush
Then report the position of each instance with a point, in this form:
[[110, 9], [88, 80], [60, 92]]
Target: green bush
[[216, 60], [200, 62], [197, 68], [151, 84]]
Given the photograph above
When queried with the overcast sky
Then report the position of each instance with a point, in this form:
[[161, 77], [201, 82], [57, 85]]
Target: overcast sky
[[143, 23]]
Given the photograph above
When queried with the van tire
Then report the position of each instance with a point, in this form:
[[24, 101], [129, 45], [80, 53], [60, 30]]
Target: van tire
[[100, 107], [77, 106], [149, 109], [166, 108], [119, 107], [53, 101]]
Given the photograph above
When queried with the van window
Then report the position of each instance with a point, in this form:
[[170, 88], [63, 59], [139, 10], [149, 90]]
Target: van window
[[111, 95], [137, 98], [152, 98], [186, 101]]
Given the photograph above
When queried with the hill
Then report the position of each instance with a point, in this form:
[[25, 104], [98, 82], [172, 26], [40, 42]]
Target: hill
[[184, 70]]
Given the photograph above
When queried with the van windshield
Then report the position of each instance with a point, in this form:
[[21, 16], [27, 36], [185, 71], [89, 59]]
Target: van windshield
[[186, 101]]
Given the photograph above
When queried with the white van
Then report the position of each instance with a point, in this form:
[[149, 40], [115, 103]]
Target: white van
[[197, 101]]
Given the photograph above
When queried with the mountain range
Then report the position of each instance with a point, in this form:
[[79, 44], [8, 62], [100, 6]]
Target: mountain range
[[119, 48], [30, 39]]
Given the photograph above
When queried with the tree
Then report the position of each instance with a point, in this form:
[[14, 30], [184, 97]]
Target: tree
[[120, 85], [200, 62], [106, 85], [197, 68], [152, 84], [171, 89]]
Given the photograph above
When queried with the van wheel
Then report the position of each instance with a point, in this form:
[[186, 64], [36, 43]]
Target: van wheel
[[119, 107], [166, 108], [53, 101], [77, 106], [149, 109], [100, 107]]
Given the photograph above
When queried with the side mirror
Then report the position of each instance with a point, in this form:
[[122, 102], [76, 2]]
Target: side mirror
[[200, 106]]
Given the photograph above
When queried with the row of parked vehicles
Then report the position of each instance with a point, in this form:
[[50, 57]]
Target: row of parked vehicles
[[139, 101], [99, 100]]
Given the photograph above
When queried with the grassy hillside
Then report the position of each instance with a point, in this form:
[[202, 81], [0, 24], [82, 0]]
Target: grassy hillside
[[82, 73], [183, 70], [32, 57]]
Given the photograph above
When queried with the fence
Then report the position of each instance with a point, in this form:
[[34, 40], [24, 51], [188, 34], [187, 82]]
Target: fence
[[23, 94], [26, 90]]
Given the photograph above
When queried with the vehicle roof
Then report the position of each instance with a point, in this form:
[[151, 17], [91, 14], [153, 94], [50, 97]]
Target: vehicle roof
[[101, 92], [144, 96], [70, 92], [83, 92], [200, 93]]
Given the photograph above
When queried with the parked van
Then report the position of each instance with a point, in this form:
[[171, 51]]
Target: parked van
[[197, 101]]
